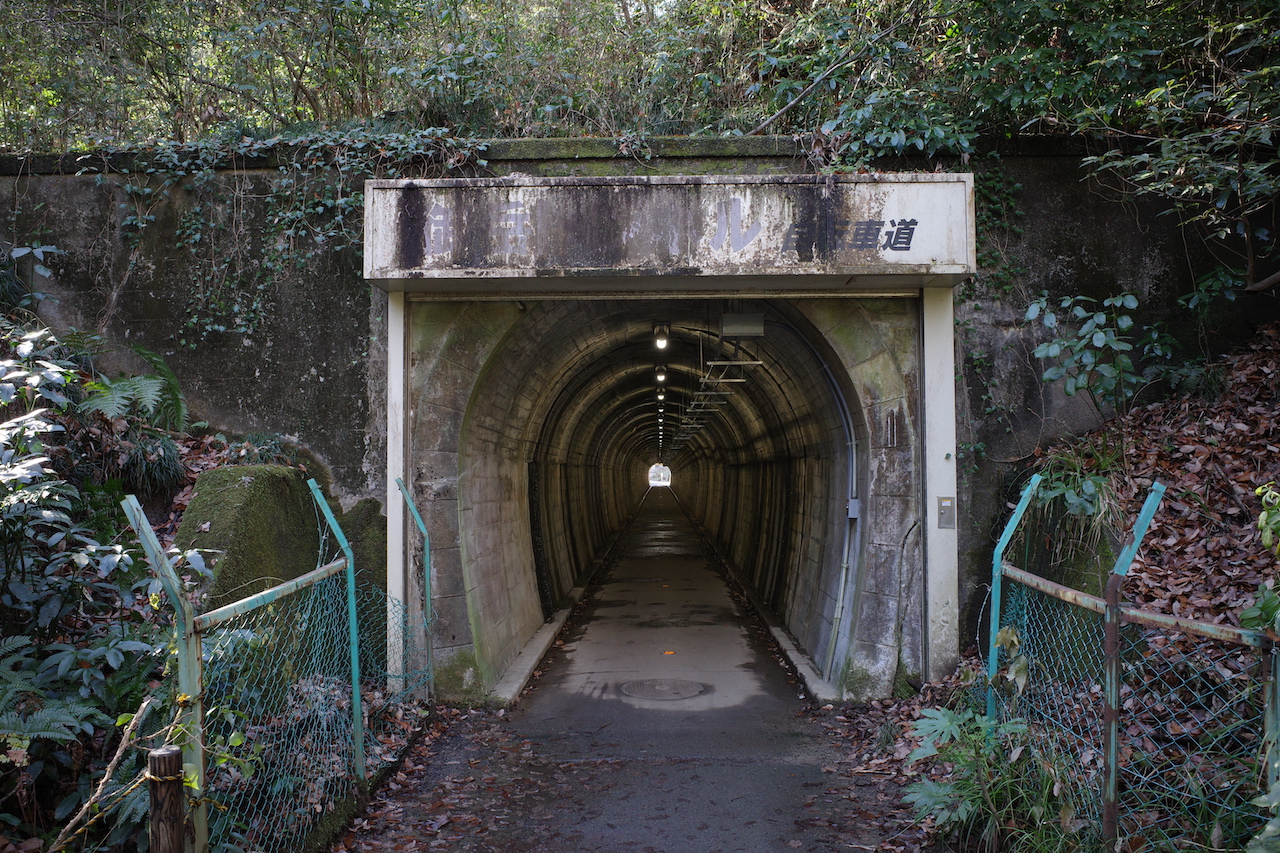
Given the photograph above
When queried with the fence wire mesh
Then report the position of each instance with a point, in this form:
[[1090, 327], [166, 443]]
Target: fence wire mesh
[[278, 710], [277, 748], [1192, 716]]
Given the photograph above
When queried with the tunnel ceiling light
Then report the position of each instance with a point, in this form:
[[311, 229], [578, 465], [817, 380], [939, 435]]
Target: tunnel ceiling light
[[661, 373], [661, 334], [661, 396]]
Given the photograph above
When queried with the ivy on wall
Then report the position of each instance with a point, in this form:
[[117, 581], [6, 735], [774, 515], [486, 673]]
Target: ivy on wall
[[252, 212]]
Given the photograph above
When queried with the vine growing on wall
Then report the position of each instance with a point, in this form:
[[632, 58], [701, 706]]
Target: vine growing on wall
[[999, 217], [252, 212]]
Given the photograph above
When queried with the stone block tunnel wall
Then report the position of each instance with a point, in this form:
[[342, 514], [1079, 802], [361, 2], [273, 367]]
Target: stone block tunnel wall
[[535, 427]]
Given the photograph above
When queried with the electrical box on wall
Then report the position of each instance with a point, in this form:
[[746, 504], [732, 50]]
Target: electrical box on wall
[[947, 513]]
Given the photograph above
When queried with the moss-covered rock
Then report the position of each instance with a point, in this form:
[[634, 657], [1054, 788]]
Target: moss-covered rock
[[259, 524]]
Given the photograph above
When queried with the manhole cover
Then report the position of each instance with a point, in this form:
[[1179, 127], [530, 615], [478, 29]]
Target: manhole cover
[[662, 688], [667, 622]]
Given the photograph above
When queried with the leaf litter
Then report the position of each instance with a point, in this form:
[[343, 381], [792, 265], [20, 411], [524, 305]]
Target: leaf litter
[[1202, 559]]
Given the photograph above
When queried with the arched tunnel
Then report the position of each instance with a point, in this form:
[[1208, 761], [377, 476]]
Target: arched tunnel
[[532, 428], [807, 416], [756, 430]]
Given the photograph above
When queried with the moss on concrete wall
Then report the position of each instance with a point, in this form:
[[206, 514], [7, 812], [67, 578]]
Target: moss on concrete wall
[[258, 521]]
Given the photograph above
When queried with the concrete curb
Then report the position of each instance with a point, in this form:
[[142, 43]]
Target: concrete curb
[[819, 689], [508, 688]]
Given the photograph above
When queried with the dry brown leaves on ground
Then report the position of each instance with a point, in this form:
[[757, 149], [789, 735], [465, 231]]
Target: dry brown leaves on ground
[[879, 740], [199, 454], [1203, 556]]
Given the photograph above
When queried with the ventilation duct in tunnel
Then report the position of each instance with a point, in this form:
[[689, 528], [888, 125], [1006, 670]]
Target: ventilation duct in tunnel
[[806, 445]]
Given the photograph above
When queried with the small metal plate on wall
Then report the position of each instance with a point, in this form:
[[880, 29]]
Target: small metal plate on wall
[[947, 513], [661, 688]]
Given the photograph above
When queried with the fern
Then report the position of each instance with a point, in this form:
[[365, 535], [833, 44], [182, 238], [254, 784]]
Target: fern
[[115, 398], [156, 397], [53, 719], [171, 411], [57, 721]]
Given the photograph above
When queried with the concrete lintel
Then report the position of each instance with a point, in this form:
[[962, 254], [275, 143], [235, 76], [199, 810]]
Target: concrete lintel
[[519, 236], [508, 284]]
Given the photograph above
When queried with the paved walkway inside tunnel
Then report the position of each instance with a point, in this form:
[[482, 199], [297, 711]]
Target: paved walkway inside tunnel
[[663, 720]]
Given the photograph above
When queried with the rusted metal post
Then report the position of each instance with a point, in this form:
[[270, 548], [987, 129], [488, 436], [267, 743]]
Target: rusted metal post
[[168, 800], [1113, 617], [997, 574], [1111, 711]]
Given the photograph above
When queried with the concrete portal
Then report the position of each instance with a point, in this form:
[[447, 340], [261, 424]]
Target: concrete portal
[[812, 439]]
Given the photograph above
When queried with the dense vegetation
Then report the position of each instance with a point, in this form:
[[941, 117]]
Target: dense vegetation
[[1179, 99], [1175, 97], [86, 638]]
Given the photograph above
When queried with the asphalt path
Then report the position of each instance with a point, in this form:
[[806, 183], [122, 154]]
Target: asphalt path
[[663, 720]]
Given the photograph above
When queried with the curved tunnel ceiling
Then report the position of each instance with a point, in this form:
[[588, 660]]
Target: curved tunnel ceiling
[[603, 406]]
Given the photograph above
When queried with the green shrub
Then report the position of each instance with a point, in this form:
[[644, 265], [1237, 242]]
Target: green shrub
[[1006, 790]]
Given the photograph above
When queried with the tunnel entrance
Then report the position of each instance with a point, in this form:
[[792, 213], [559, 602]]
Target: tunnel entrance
[[810, 433], [659, 475]]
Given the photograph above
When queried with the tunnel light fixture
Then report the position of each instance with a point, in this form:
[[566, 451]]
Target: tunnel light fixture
[[661, 334], [662, 396], [661, 373]]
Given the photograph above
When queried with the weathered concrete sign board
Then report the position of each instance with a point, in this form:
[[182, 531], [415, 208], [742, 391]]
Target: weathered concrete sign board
[[789, 234]]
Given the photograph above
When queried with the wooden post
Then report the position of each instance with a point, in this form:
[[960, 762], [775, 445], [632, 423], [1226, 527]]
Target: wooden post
[[168, 799]]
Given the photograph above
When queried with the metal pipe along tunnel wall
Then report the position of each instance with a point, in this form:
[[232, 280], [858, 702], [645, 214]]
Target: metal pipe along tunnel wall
[[530, 429]]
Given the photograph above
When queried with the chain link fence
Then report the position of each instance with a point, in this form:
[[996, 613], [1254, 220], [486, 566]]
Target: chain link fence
[[291, 700], [1160, 727], [1190, 724]]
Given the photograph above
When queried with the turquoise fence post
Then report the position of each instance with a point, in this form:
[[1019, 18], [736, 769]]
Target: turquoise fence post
[[1139, 531], [997, 574], [190, 672], [357, 709], [426, 568], [1111, 671], [1273, 715]]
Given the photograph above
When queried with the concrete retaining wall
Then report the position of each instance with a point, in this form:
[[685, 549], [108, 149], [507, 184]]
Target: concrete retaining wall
[[502, 395]]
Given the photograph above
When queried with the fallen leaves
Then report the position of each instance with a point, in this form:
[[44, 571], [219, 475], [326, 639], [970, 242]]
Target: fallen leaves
[[1203, 556]]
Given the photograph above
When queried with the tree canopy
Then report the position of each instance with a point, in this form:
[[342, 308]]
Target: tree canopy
[[1177, 98]]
